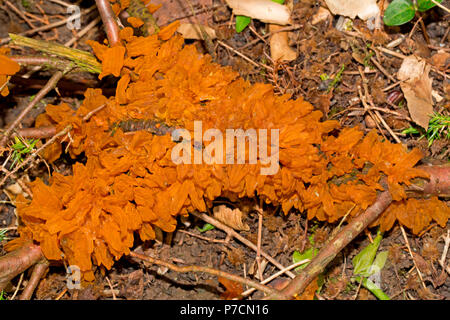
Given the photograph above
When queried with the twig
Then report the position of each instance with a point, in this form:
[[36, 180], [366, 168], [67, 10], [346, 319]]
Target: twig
[[412, 256], [109, 21], [369, 98], [236, 235], [50, 26], [80, 34], [340, 241], [53, 62], [17, 262], [92, 112], [212, 271], [440, 6], [202, 237], [38, 272], [112, 289], [34, 154], [444, 252], [51, 84], [19, 13], [83, 59], [61, 294], [18, 286], [379, 66], [276, 275], [37, 133], [258, 246], [244, 56]]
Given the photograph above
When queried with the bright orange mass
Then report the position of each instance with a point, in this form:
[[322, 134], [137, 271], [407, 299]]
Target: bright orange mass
[[129, 184]]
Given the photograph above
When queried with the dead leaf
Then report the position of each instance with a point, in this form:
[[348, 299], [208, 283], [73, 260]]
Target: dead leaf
[[279, 45], [263, 10], [364, 9], [193, 31], [230, 217], [426, 294], [441, 59], [310, 291], [182, 11], [233, 288], [321, 15], [417, 89]]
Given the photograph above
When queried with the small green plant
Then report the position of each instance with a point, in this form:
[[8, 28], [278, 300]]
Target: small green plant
[[336, 79], [306, 254], [324, 77], [21, 147], [402, 11], [26, 4], [2, 297], [438, 127], [2, 234], [367, 264], [206, 227], [242, 21]]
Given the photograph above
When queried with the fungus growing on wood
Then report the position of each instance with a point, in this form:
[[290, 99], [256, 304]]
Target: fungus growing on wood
[[130, 184]]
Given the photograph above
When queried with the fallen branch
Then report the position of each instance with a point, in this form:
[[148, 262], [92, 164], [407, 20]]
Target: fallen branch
[[236, 235], [212, 271], [38, 272], [329, 252], [109, 21], [437, 185], [18, 261], [82, 59], [51, 84]]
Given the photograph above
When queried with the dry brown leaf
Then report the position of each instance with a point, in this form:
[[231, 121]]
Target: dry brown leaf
[[182, 11], [193, 31], [263, 10], [364, 9], [441, 59], [279, 45], [321, 15], [230, 217], [417, 89], [233, 288]]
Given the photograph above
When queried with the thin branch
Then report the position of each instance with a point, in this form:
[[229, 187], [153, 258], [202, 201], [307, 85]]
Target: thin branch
[[51, 84], [34, 154], [38, 272], [109, 21], [218, 273], [51, 26], [17, 262], [236, 235], [340, 241]]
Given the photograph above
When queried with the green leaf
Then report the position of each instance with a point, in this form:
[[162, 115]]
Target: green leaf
[[308, 254], [363, 260], [278, 1], [379, 262], [372, 287], [410, 130], [206, 227], [424, 5], [399, 12], [242, 22]]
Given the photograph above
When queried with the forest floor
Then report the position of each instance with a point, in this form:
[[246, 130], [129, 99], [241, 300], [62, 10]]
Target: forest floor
[[329, 72]]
